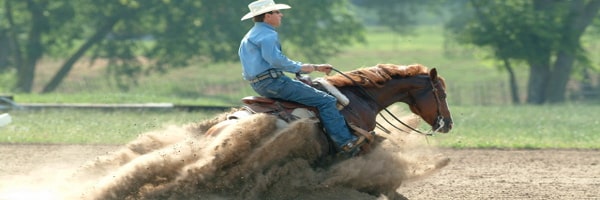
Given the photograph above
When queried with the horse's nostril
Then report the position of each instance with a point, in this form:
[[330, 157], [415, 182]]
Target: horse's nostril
[[449, 127], [449, 123]]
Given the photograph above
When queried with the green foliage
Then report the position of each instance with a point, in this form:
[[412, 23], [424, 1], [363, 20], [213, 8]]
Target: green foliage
[[221, 83], [319, 29], [544, 34], [399, 16], [139, 37], [513, 29], [472, 80], [7, 80]]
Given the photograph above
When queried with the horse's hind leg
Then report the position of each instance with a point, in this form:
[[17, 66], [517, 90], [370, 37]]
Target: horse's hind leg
[[290, 144], [227, 145], [236, 140], [219, 175]]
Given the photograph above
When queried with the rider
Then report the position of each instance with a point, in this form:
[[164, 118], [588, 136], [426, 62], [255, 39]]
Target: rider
[[263, 64]]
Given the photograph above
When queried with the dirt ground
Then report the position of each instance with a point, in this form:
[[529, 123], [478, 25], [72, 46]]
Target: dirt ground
[[35, 171]]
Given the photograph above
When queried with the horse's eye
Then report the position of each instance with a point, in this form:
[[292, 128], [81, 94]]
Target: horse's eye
[[443, 95]]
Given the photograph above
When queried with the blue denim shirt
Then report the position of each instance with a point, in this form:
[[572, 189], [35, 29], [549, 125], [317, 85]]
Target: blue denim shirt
[[260, 51]]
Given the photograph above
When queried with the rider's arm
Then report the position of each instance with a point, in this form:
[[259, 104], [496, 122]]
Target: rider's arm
[[271, 52]]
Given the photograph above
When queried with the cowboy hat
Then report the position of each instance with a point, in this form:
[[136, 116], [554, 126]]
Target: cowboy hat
[[263, 6]]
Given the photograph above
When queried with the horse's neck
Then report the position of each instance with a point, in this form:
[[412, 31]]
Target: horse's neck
[[366, 103], [395, 90]]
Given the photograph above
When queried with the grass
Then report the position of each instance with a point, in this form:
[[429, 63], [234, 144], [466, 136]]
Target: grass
[[528, 127], [477, 95], [69, 126], [517, 127]]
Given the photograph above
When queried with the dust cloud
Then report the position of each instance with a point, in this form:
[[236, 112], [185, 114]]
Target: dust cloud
[[258, 157]]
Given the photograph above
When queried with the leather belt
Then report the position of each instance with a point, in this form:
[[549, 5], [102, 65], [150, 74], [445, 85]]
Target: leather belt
[[266, 75]]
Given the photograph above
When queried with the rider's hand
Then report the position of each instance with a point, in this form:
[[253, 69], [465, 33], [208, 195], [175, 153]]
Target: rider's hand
[[308, 68], [325, 68]]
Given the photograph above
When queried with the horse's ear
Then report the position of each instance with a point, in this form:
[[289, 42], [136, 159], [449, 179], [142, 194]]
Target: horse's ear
[[433, 74]]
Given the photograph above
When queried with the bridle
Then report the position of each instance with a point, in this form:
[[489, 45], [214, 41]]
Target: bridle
[[439, 118]]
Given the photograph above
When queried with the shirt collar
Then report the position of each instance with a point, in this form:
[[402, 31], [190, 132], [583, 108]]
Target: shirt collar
[[263, 24]]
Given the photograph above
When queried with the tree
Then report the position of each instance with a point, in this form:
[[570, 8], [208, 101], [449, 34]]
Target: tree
[[165, 33], [399, 16], [545, 34]]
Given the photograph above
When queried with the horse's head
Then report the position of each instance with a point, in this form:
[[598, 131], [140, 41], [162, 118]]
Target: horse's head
[[422, 90], [429, 102]]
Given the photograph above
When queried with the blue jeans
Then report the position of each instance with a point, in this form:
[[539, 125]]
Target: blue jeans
[[293, 90]]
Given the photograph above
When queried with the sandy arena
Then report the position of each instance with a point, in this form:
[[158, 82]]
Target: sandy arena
[[31, 171], [178, 163]]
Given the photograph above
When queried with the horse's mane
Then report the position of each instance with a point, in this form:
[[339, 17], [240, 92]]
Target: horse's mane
[[376, 76]]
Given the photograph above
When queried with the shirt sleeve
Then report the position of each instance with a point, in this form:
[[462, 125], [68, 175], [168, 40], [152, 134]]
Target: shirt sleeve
[[271, 52]]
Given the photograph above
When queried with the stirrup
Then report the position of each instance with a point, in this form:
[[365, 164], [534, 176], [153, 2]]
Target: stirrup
[[369, 135], [353, 148]]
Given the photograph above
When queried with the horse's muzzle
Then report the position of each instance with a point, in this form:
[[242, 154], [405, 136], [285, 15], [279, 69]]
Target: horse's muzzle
[[446, 126]]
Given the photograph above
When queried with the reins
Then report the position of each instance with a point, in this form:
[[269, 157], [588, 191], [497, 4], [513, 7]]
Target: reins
[[378, 125]]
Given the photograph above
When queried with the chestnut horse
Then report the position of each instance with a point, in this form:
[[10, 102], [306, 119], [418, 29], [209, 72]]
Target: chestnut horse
[[370, 91], [251, 157]]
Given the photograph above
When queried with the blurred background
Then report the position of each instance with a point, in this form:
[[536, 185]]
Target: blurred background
[[491, 52], [494, 54]]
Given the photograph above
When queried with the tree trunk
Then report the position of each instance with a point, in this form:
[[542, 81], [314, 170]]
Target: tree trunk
[[68, 65], [5, 52], [33, 48], [25, 76], [559, 77], [514, 89], [13, 42], [581, 16], [536, 88]]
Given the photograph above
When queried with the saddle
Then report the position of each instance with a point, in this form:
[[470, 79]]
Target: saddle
[[286, 110], [290, 111]]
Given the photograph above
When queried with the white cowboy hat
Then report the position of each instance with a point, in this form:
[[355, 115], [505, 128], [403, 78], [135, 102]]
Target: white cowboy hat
[[263, 6]]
